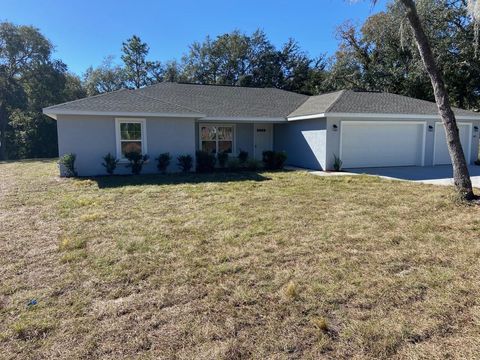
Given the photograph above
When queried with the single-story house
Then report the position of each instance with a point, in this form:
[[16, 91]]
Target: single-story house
[[363, 129]]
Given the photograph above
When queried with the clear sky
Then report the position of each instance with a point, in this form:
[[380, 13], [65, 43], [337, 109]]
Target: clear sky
[[85, 31]]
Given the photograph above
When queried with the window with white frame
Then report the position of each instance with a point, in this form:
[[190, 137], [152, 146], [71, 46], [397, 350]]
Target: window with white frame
[[216, 139], [130, 136]]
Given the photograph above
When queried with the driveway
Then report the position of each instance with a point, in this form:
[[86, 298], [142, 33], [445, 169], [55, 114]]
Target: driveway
[[437, 175]]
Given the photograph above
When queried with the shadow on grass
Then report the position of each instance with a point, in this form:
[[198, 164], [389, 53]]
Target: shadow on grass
[[174, 179], [28, 161]]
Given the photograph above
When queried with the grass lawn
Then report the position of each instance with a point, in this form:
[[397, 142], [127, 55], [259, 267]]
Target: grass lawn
[[273, 265]]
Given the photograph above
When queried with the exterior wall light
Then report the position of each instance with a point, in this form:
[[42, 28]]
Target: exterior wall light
[[475, 128], [335, 127], [430, 128]]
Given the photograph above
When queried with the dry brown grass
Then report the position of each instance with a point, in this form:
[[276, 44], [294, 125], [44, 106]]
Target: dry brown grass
[[212, 267]]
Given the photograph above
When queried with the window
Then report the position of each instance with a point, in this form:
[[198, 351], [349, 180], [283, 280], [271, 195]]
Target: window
[[130, 136], [216, 138]]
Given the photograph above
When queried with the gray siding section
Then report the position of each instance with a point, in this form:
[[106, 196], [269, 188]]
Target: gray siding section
[[244, 138], [92, 137], [304, 142], [475, 140]]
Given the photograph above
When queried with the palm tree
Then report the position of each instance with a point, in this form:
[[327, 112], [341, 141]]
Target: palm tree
[[461, 175]]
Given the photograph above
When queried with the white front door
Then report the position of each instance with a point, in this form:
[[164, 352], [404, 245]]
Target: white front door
[[262, 139], [441, 156]]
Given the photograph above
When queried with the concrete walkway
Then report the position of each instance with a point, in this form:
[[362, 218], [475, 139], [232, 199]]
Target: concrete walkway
[[437, 175]]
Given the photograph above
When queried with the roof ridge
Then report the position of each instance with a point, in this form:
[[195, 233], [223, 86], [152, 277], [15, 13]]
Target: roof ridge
[[226, 85], [341, 93], [163, 101], [88, 97]]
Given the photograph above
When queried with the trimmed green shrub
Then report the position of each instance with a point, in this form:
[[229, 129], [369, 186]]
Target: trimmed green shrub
[[274, 160], [68, 163], [280, 159], [243, 156], [205, 162], [185, 163], [163, 161], [110, 163], [268, 158], [233, 164], [136, 161], [253, 165], [222, 159], [337, 163]]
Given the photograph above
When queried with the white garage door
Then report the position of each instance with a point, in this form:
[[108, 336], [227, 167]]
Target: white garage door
[[381, 143], [441, 155]]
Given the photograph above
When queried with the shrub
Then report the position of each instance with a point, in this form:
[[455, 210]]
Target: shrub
[[110, 163], [205, 162], [280, 159], [233, 164], [185, 163], [243, 156], [337, 163], [68, 163], [268, 158], [274, 160], [163, 161], [477, 162], [222, 159], [136, 161], [253, 164]]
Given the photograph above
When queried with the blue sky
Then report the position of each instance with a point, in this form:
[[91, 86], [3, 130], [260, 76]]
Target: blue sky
[[86, 31]]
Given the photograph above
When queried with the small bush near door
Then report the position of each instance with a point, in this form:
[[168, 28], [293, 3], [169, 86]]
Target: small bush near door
[[253, 165], [222, 159], [163, 161], [274, 160], [205, 162], [67, 161], [243, 156], [337, 163], [185, 163], [233, 164]]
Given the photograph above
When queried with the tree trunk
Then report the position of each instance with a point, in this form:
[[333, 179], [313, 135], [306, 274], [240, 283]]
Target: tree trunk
[[3, 129], [461, 176]]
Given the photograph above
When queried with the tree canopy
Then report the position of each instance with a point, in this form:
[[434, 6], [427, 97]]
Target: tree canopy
[[379, 54], [30, 80]]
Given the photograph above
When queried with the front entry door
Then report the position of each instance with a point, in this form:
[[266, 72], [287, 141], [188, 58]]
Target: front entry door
[[263, 139]]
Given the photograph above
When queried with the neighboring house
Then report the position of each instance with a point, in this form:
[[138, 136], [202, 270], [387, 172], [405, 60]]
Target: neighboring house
[[363, 129]]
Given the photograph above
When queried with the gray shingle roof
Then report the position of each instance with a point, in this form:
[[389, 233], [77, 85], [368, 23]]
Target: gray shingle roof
[[228, 101], [318, 104], [245, 102], [350, 101], [122, 101]]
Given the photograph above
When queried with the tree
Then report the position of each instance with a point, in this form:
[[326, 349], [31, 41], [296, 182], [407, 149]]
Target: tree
[[22, 49], [138, 70], [382, 55], [30, 80], [105, 78], [239, 59], [461, 175]]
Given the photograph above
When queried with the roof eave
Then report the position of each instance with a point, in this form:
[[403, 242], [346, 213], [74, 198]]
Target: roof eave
[[378, 116], [53, 113], [243, 119]]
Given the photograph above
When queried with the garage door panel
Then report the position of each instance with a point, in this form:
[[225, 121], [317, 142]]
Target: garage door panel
[[441, 155], [376, 144]]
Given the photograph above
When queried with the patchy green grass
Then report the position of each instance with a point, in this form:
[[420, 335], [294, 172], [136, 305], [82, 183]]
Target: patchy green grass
[[272, 265]]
